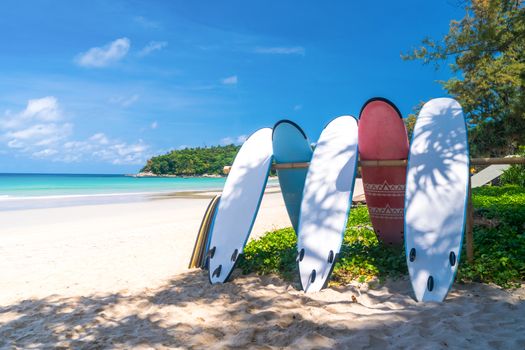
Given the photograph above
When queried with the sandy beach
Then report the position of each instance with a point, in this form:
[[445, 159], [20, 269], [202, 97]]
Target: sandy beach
[[115, 276], [88, 249]]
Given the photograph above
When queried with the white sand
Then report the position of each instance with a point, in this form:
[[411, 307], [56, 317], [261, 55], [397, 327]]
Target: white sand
[[106, 248], [254, 312], [113, 276]]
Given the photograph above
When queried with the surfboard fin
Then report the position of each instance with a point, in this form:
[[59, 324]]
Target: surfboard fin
[[430, 283], [331, 257], [412, 255], [312, 276], [211, 252], [235, 254], [300, 256], [217, 271], [452, 258]]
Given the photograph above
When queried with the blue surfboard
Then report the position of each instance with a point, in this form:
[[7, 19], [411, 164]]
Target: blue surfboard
[[290, 145]]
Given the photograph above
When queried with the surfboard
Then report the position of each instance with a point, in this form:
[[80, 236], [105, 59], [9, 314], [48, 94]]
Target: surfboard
[[326, 201], [290, 145], [239, 204], [436, 198], [382, 135], [199, 249]]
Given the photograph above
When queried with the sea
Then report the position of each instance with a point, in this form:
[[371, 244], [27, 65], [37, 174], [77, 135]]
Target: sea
[[30, 191]]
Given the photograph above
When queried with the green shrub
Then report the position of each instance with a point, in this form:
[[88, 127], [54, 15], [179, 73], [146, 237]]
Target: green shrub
[[499, 247], [361, 256], [499, 257], [505, 204], [515, 175], [274, 252]]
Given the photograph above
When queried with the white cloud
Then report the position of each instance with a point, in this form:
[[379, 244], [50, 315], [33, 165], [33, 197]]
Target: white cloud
[[99, 147], [231, 140], [146, 23], [42, 109], [99, 138], [154, 125], [230, 80], [227, 141], [38, 132], [38, 125], [98, 57], [281, 50], [124, 101], [152, 46], [123, 153], [242, 138], [45, 153]]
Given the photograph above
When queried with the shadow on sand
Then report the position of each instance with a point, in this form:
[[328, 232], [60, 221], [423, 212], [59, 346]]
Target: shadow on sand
[[263, 312]]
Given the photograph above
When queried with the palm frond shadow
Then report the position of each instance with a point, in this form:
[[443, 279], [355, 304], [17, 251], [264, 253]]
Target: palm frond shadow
[[250, 312]]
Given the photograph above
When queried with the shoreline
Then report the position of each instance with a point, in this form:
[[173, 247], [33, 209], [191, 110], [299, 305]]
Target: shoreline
[[8, 203], [149, 174]]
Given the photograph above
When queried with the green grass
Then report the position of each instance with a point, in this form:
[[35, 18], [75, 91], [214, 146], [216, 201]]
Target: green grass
[[499, 241], [499, 246]]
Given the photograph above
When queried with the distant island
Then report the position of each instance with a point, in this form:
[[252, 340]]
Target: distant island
[[199, 161]]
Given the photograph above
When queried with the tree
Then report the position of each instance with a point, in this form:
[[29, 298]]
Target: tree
[[486, 52], [193, 161]]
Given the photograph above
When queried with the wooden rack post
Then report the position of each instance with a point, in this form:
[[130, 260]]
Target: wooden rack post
[[403, 162], [470, 225]]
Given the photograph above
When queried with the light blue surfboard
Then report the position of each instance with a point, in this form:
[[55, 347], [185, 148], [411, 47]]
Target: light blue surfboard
[[436, 198], [290, 145]]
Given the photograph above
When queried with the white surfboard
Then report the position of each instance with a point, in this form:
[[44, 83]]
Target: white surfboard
[[326, 202], [239, 204], [436, 198]]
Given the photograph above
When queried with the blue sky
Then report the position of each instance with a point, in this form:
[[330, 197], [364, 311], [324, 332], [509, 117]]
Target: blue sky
[[100, 86]]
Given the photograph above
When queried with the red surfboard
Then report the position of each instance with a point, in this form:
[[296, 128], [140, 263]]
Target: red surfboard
[[382, 135]]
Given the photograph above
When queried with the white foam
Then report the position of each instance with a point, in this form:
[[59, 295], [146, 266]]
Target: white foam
[[72, 196]]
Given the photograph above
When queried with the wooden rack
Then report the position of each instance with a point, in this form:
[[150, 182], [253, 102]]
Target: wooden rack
[[397, 162], [403, 162]]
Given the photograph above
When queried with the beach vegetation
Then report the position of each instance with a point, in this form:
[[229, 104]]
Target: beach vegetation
[[499, 246], [485, 50], [193, 161], [515, 175], [275, 252]]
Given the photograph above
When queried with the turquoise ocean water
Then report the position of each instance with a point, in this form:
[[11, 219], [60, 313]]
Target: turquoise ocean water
[[26, 191], [38, 185]]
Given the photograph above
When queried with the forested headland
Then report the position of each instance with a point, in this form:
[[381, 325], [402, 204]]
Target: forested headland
[[192, 161]]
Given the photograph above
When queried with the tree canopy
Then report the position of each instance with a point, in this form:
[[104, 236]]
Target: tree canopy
[[193, 161], [486, 52]]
